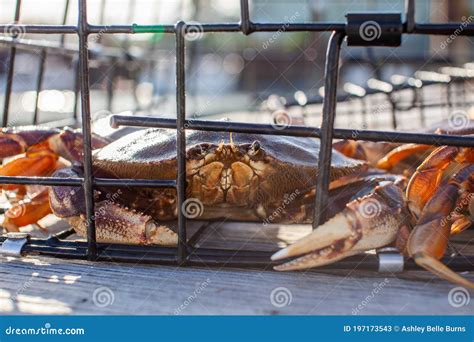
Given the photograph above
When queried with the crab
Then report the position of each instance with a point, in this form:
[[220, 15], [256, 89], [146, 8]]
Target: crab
[[234, 176], [38, 151], [438, 203], [238, 176], [264, 178]]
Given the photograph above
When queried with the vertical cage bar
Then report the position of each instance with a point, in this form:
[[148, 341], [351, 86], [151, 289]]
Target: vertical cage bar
[[66, 11], [420, 105], [245, 23], [10, 70], [180, 28], [86, 130], [39, 82], [75, 110], [449, 99], [331, 75], [101, 19], [110, 84], [410, 13], [393, 111]]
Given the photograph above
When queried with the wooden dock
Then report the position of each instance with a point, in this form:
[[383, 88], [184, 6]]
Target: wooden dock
[[40, 285]]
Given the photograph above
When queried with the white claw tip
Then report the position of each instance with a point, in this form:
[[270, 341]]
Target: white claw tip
[[281, 254]]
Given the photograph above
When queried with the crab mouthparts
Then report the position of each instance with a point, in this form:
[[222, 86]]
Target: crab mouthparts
[[224, 176]]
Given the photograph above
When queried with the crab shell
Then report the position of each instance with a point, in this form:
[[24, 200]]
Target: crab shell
[[237, 176], [242, 177]]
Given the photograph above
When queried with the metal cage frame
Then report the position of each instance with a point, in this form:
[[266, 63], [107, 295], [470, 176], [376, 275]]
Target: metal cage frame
[[185, 253]]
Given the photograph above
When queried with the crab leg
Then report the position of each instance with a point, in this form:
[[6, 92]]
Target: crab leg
[[39, 162], [369, 222], [428, 241], [27, 212], [364, 150], [426, 179], [400, 153], [11, 145]]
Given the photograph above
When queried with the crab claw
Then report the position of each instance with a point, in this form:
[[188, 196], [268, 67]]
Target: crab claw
[[114, 222], [117, 224], [27, 212], [369, 222]]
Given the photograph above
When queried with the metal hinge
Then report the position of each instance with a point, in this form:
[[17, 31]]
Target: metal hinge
[[390, 260], [374, 29], [14, 243]]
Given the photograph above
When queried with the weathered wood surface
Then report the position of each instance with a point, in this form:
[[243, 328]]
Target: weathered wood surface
[[39, 285]]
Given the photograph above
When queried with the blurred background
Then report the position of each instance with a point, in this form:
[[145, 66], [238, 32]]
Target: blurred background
[[229, 74]]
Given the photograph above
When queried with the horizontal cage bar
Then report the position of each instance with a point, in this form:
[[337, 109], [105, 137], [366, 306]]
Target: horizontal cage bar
[[301, 131]]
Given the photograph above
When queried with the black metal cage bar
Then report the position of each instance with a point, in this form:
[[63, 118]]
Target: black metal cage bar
[[185, 253]]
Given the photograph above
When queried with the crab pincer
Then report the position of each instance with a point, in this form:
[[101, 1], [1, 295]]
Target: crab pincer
[[114, 222], [368, 222]]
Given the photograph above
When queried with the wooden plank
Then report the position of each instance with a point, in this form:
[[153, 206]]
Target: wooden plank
[[33, 285], [52, 286]]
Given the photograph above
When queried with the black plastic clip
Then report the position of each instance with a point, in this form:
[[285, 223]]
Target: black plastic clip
[[374, 29]]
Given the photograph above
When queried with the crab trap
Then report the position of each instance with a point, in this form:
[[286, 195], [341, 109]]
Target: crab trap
[[390, 28]]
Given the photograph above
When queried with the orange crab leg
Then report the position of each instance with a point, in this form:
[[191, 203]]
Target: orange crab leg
[[429, 239], [427, 177], [400, 153], [350, 148], [364, 150], [39, 162], [27, 212], [11, 145]]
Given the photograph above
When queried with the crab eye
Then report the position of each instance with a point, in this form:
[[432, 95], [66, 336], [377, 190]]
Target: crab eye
[[197, 151], [254, 148], [203, 148]]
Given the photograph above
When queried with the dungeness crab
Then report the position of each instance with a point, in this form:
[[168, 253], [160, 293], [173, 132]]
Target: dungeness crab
[[265, 178]]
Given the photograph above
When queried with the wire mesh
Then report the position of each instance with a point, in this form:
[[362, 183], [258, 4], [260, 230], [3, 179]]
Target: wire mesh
[[186, 253]]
